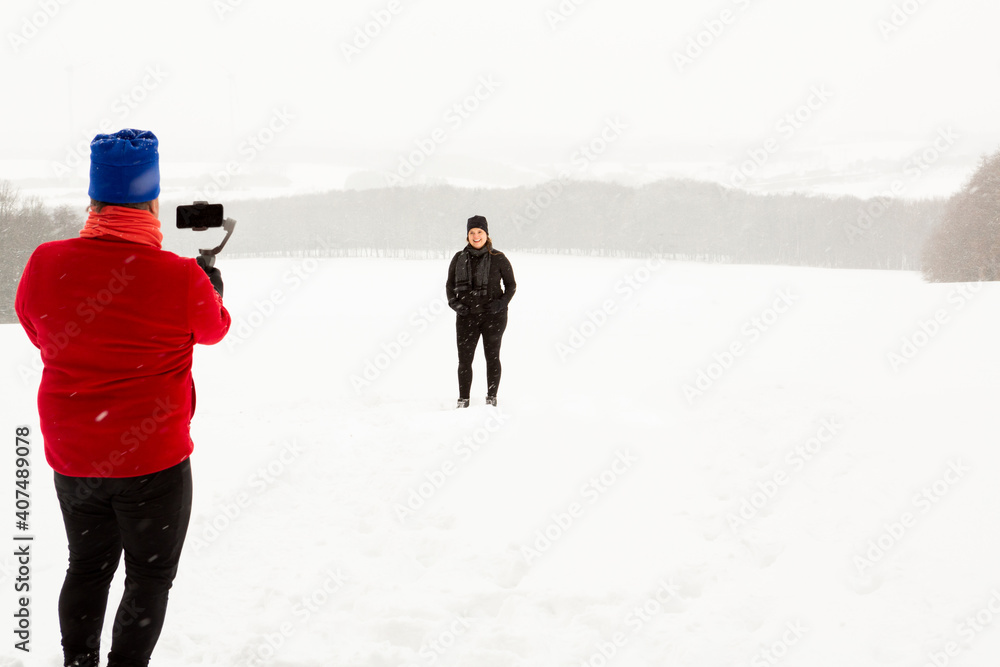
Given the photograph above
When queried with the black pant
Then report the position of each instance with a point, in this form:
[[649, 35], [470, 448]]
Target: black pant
[[147, 516], [469, 329]]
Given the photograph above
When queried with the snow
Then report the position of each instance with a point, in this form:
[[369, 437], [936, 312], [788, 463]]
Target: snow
[[346, 514]]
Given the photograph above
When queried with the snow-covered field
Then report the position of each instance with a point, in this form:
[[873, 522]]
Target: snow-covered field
[[690, 465]]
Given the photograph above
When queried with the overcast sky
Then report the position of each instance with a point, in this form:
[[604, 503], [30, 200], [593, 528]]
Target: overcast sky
[[882, 77]]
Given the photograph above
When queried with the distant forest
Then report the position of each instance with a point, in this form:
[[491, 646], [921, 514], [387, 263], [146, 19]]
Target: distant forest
[[673, 219]]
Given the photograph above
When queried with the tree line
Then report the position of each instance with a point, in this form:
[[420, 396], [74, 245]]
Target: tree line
[[673, 219]]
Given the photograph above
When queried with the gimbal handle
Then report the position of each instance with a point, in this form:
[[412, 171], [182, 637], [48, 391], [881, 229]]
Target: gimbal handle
[[208, 256]]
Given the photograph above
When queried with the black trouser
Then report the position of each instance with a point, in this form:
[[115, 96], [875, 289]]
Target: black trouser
[[147, 516], [469, 329]]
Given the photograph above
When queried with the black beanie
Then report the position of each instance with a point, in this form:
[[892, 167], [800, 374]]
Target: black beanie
[[477, 221]]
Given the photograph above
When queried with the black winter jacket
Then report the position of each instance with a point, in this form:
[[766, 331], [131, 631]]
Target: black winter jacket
[[496, 298]]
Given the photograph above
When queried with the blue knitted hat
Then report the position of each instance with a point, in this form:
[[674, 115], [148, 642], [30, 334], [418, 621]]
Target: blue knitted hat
[[124, 167]]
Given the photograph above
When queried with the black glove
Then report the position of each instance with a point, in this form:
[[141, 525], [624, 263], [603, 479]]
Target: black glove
[[495, 307], [461, 309], [214, 275]]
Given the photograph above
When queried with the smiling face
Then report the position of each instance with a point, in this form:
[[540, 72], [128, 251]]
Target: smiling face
[[477, 238]]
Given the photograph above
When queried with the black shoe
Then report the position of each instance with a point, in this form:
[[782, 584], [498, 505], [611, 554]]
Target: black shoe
[[491, 400], [89, 660], [463, 403]]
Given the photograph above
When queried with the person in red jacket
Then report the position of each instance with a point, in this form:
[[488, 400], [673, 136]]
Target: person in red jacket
[[116, 319]]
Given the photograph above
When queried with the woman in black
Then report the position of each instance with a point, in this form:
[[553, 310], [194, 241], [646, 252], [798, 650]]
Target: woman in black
[[475, 293]]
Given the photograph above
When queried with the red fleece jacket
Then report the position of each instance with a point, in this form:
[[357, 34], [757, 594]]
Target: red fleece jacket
[[116, 323]]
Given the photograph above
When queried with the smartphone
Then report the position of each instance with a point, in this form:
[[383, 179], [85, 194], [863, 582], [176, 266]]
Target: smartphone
[[199, 216]]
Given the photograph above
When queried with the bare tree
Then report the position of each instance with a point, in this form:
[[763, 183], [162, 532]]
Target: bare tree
[[966, 245]]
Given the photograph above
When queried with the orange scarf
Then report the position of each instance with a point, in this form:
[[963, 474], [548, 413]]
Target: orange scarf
[[130, 224]]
